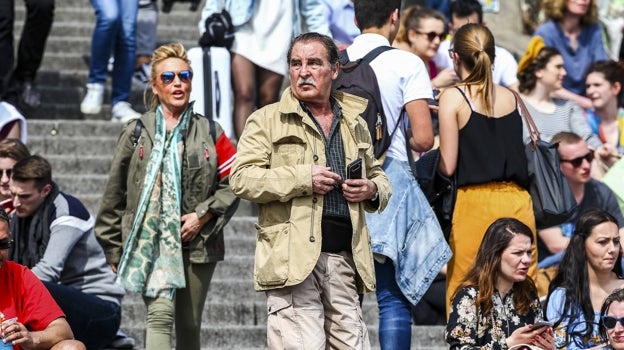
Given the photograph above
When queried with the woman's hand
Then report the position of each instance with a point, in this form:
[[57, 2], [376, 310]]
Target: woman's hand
[[192, 225], [445, 78], [522, 335], [545, 338]]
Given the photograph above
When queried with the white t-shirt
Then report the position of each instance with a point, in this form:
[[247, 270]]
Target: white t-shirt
[[505, 65], [402, 78]]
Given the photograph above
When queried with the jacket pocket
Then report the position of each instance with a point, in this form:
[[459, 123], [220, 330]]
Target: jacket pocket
[[272, 254], [278, 300], [289, 150]]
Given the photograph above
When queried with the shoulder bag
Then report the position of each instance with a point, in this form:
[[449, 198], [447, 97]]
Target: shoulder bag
[[553, 201]]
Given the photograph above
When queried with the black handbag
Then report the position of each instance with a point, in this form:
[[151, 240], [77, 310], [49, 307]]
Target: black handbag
[[439, 189], [553, 200]]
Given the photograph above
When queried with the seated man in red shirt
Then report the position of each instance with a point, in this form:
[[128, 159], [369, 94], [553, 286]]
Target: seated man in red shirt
[[40, 323]]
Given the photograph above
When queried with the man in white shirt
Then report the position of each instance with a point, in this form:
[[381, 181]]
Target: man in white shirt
[[406, 240]]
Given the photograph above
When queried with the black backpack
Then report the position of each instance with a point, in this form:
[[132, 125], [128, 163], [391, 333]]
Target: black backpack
[[358, 78]]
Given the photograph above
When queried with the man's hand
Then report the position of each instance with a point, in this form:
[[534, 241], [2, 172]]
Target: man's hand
[[323, 179], [358, 190]]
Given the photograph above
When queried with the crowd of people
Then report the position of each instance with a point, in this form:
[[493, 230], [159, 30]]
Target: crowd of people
[[334, 221]]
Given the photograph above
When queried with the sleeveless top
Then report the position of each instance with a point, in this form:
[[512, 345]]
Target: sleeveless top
[[491, 149]]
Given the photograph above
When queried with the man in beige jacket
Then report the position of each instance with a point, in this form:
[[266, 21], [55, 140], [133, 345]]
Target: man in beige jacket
[[313, 254]]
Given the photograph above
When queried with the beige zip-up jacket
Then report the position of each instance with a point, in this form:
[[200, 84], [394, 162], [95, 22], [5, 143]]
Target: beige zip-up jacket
[[274, 169]]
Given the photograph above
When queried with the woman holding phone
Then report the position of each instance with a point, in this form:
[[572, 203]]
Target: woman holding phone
[[496, 305]]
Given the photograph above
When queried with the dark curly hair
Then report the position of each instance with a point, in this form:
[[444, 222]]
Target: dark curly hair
[[526, 77]]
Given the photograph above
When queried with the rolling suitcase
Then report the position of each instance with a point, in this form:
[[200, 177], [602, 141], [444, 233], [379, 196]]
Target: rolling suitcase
[[211, 88]]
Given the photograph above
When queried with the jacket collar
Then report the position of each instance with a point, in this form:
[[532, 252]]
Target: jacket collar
[[352, 106]]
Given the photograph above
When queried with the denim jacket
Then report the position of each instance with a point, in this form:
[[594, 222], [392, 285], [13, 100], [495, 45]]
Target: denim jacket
[[311, 11], [408, 233]]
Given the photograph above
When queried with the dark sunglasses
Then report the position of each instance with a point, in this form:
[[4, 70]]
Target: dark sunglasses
[[6, 171], [433, 35], [6, 244], [610, 322], [184, 75], [577, 162]]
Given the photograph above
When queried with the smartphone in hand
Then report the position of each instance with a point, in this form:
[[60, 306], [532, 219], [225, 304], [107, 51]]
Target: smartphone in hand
[[541, 323], [354, 169]]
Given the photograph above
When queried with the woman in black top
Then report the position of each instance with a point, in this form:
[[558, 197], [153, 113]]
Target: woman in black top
[[481, 142]]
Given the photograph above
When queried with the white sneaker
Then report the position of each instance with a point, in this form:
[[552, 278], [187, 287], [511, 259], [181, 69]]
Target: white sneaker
[[92, 102], [123, 112]]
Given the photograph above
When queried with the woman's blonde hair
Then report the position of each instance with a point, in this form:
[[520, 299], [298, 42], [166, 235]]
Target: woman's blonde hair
[[173, 50], [556, 9], [474, 44]]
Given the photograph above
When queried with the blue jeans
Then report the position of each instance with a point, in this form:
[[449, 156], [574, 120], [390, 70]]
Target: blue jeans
[[93, 320], [395, 318], [114, 33]]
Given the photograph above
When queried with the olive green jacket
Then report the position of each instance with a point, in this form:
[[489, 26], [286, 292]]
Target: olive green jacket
[[200, 193], [273, 168]]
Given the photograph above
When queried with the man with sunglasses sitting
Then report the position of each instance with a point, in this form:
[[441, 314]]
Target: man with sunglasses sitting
[[575, 158], [54, 237]]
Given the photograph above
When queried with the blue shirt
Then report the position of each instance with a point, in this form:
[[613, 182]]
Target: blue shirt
[[590, 49], [340, 16]]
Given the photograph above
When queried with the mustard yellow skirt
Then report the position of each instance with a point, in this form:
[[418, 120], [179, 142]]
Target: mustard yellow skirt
[[476, 207]]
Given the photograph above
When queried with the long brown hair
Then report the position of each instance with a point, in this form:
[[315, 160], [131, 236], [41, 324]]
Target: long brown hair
[[486, 268], [474, 44]]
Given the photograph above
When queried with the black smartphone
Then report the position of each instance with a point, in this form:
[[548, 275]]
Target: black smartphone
[[354, 169], [541, 323]]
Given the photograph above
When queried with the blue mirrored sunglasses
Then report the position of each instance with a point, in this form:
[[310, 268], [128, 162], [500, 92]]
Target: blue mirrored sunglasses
[[184, 75]]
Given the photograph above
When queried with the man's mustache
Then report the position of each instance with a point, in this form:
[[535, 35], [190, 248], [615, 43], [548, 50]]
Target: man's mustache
[[307, 81]]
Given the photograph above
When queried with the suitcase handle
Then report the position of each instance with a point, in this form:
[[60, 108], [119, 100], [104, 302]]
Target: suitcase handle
[[217, 93]]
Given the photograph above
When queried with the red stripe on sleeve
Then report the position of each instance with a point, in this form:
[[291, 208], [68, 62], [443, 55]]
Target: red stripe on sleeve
[[226, 154]]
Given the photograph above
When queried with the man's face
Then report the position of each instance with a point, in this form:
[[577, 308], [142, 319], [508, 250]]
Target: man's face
[[575, 162], [27, 198], [6, 165], [311, 75], [5, 240], [458, 22]]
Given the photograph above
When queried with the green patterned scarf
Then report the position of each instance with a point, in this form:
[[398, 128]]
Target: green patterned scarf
[[151, 262]]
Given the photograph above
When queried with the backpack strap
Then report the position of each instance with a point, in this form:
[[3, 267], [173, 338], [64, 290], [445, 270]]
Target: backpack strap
[[369, 57], [213, 130], [137, 133], [343, 57]]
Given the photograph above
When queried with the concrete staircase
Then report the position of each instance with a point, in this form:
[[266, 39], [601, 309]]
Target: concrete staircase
[[234, 316], [80, 149]]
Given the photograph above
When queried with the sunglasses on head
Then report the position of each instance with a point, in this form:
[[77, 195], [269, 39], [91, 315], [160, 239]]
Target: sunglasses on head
[[610, 322], [433, 35], [577, 162], [6, 244], [184, 75], [5, 171]]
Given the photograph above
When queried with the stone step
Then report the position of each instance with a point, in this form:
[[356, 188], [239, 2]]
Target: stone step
[[254, 337]]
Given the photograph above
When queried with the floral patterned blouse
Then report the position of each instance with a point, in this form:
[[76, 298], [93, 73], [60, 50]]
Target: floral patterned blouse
[[467, 329]]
